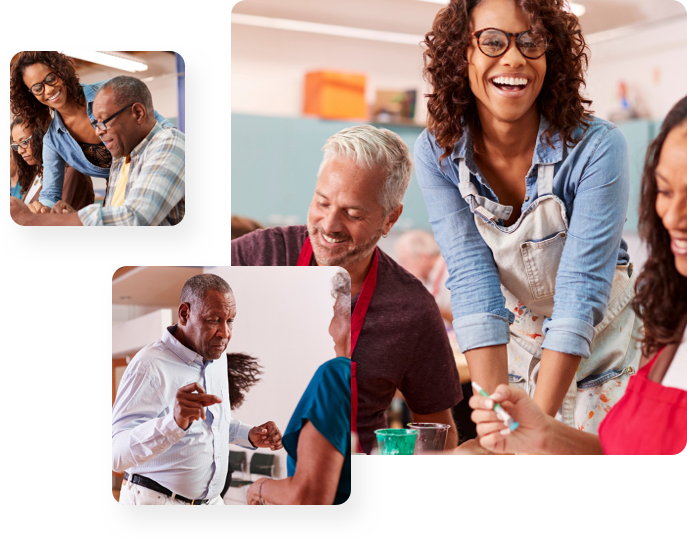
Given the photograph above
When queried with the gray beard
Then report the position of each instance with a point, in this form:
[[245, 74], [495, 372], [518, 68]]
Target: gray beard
[[351, 256]]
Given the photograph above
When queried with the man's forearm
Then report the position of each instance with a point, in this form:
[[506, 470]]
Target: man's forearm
[[132, 447], [53, 220], [562, 439], [556, 372]]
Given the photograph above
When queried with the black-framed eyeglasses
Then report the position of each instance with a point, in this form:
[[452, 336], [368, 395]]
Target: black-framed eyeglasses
[[38, 88], [494, 42], [23, 144], [101, 125]]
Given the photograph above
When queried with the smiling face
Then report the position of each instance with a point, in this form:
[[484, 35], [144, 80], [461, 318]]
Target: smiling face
[[53, 96], [671, 199], [19, 133], [506, 88], [208, 325], [124, 132], [345, 220]]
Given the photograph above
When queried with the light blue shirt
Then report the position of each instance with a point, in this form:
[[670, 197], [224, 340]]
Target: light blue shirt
[[146, 439], [593, 181], [59, 147]]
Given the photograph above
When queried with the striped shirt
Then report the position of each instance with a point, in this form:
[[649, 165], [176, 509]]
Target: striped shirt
[[146, 439], [155, 188]]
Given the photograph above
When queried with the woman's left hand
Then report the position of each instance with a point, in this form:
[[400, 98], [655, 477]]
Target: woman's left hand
[[252, 496]]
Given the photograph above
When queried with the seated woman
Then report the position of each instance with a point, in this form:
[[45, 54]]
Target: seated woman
[[26, 146], [651, 418], [15, 188], [318, 437]]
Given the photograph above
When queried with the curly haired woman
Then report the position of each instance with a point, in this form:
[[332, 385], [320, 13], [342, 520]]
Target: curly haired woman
[[651, 418], [45, 81], [527, 194]]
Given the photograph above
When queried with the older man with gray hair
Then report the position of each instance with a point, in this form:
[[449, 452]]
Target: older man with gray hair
[[146, 184], [398, 338]]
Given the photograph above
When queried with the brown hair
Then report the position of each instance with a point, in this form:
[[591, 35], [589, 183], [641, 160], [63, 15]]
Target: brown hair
[[24, 103], [661, 292], [243, 371], [27, 172], [451, 105], [242, 225]]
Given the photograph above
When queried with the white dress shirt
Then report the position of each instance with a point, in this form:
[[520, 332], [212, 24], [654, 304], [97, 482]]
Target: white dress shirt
[[146, 439]]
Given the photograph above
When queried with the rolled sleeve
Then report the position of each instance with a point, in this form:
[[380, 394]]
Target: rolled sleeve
[[587, 267], [163, 121], [473, 277], [53, 175]]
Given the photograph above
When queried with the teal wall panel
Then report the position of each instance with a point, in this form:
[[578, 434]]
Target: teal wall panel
[[638, 135]]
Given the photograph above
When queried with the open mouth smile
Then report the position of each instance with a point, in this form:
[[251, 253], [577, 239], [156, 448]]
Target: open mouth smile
[[55, 96], [331, 240], [510, 85], [679, 246]]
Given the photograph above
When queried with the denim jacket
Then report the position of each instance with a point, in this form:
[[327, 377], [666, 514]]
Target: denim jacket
[[59, 147], [592, 180]]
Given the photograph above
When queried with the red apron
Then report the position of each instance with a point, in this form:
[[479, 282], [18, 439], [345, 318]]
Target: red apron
[[650, 419], [357, 319]]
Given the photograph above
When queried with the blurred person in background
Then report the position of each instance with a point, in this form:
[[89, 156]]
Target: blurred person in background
[[417, 252], [15, 187], [651, 418], [243, 225]]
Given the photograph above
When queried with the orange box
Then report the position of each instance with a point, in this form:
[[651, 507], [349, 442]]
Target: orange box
[[330, 94]]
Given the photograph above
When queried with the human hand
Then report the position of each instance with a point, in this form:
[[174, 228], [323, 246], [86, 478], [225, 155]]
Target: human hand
[[190, 404], [38, 208], [62, 207], [253, 493], [266, 435], [495, 436], [472, 447], [19, 212]]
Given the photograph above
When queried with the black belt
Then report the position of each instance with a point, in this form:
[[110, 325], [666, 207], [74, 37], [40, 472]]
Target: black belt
[[152, 484]]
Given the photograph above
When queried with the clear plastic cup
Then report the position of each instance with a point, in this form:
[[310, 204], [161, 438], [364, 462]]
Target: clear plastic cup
[[431, 438]]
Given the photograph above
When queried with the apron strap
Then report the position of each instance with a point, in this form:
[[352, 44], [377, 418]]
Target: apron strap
[[545, 179], [468, 191]]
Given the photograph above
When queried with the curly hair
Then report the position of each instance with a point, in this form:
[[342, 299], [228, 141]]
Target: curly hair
[[244, 372], [661, 292], [451, 105], [27, 172], [24, 103]]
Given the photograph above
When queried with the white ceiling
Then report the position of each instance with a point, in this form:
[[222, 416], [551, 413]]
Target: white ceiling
[[415, 17]]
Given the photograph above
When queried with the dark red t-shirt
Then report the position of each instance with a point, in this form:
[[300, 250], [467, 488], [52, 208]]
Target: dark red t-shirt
[[403, 343]]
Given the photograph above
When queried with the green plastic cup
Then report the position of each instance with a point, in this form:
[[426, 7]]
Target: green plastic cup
[[396, 442]]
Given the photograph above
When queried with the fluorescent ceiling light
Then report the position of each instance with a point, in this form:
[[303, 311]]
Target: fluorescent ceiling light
[[117, 60], [327, 29], [577, 9]]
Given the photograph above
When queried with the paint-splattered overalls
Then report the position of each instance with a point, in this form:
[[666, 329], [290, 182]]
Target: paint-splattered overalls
[[527, 255]]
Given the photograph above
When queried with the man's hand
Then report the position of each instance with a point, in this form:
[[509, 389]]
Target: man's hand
[[62, 207], [190, 404], [266, 435]]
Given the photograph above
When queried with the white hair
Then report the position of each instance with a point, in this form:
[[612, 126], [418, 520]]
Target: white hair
[[371, 147], [418, 243]]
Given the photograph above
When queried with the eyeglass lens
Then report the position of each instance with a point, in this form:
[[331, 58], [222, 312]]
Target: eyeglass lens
[[23, 144], [495, 42], [39, 88]]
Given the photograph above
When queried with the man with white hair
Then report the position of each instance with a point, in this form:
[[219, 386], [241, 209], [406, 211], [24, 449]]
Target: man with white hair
[[398, 338]]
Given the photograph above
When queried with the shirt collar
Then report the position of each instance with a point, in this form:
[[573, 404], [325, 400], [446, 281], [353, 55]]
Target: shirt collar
[[184, 353], [543, 153], [140, 147]]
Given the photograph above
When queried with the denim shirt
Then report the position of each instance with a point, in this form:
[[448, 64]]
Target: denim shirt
[[592, 180], [59, 147]]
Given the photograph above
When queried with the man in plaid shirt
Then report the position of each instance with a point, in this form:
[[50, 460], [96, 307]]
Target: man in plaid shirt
[[146, 185]]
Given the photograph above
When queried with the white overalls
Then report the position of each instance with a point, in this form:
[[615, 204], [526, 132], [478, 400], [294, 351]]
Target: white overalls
[[527, 255]]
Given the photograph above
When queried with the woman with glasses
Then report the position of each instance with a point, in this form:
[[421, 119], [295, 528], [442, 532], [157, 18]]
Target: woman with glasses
[[26, 148], [527, 194], [45, 81]]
